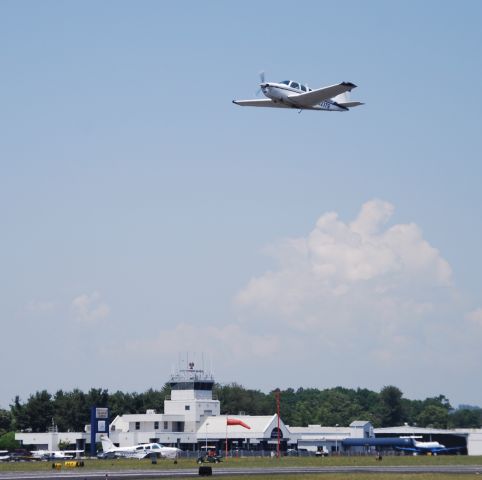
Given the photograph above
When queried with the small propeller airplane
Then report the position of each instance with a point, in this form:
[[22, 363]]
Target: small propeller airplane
[[138, 451], [432, 448], [290, 94], [55, 454], [4, 455]]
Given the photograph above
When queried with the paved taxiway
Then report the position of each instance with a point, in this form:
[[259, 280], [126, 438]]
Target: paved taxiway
[[221, 471]]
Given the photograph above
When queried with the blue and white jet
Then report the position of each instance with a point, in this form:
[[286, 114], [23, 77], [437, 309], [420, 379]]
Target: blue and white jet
[[291, 94]]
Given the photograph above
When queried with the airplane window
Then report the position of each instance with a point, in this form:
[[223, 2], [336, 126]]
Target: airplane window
[[285, 82], [294, 85], [303, 88], [156, 446]]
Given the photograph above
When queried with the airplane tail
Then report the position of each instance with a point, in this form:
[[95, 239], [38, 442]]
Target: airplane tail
[[344, 100], [107, 443]]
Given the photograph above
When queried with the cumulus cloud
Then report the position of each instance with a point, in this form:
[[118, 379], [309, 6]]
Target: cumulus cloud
[[364, 302], [89, 308], [351, 276]]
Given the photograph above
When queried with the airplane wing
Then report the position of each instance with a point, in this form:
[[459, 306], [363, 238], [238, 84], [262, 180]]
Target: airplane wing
[[448, 449], [431, 450], [260, 102], [408, 449], [314, 97]]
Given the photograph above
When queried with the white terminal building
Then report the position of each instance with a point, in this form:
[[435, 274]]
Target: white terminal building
[[192, 419]]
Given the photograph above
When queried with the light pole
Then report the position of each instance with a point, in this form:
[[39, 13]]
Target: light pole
[[336, 440], [207, 423]]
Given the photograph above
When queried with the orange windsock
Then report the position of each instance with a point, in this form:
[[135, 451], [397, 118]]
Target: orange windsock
[[235, 421]]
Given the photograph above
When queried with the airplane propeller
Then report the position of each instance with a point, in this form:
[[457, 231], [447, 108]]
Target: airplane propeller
[[262, 80]]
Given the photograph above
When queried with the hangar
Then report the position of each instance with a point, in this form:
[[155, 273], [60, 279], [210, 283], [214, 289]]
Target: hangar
[[449, 438], [317, 438]]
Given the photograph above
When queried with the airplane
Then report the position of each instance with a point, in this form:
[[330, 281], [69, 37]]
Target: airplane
[[55, 454], [406, 444], [430, 448], [138, 451], [4, 455], [291, 94]]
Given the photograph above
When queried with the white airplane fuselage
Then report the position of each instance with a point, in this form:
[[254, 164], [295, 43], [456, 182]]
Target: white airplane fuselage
[[279, 92], [53, 454], [428, 445], [139, 451]]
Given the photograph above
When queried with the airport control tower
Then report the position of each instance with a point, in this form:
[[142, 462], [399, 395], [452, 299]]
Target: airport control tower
[[191, 399]]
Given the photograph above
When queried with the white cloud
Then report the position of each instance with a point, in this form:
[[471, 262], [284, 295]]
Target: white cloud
[[89, 308], [366, 302], [358, 261], [362, 303]]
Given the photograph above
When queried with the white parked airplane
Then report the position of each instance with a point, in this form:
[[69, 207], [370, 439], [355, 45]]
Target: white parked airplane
[[290, 94], [4, 455], [55, 454], [138, 451]]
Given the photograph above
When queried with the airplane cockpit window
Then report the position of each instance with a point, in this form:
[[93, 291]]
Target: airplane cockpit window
[[303, 88], [155, 446], [294, 85], [285, 82]]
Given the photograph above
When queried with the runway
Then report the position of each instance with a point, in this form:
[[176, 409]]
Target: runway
[[219, 471]]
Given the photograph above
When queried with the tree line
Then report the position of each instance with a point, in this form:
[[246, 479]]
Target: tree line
[[70, 411]]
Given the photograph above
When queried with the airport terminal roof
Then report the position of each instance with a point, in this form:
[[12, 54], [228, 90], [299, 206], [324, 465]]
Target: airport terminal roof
[[411, 430], [359, 423], [140, 417], [316, 429]]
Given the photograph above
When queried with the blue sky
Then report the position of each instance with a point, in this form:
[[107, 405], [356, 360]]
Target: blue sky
[[144, 215]]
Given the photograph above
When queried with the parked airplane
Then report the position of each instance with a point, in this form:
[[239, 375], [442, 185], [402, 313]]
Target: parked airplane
[[290, 94], [138, 451], [406, 444], [432, 448], [55, 454], [4, 455]]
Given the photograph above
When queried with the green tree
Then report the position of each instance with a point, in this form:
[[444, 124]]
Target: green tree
[[465, 418], [20, 418], [39, 410], [391, 406], [8, 442], [433, 416], [235, 398], [71, 410], [5, 421]]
